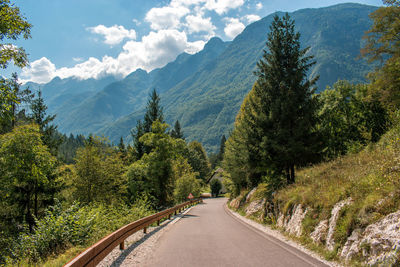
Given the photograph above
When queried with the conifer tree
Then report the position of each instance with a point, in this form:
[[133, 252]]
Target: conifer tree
[[177, 131], [48, 131], [275, 128], [153, 111], [221, 148], [285, 114]]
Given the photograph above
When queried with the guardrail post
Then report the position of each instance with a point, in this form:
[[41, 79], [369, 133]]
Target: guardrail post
[[169, 216], [145, 230], [158, 222], [122, 245]]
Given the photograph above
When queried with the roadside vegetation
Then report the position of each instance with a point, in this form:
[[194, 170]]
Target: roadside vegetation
[[343, 144], [59, 194]]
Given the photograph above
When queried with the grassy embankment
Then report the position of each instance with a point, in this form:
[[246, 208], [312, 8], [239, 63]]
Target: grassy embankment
[[371, 178]]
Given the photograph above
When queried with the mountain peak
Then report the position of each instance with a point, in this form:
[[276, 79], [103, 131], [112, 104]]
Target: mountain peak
[[213, 42]]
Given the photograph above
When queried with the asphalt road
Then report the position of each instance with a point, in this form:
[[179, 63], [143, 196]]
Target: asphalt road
[[209, 235]]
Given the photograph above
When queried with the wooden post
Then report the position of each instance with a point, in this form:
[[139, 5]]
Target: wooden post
[[145, 230], [169, 216], [122, 245], [158, 222]]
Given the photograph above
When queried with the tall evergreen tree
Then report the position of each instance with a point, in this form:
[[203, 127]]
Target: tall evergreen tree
[[275, 128], [48, 131], [221, 148], [177, 131], [285, 114], [153, 111]]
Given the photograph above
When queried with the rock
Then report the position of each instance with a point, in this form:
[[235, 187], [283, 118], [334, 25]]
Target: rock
[[319, 233], [294, 225], [330, 242], [250, 194], [352, 246], [255, 206], [235, 203], [281, 222], [381, 238]]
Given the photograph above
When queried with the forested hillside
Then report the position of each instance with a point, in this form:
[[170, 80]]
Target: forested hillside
[[204, 91]]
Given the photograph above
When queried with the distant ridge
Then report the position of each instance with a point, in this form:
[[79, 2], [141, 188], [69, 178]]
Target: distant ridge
[[204, 91]]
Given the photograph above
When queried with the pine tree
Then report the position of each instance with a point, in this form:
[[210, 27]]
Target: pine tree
[[48, 131], [222, 148], [275, 128], [285, 114], [177, 132], [153, 112]]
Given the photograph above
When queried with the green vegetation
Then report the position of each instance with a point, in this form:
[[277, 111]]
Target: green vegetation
[[357, 131]]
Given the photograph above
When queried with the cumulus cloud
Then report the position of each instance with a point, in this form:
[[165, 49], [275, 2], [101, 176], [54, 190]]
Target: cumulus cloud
[[252, 18], [167, 17], [222, 6], [39, 71], [259, 5], [154, 50], [199, 24], [113, 35], [233, 27]]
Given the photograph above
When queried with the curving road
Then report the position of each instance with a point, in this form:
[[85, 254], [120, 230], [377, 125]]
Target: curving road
[[208, 235]]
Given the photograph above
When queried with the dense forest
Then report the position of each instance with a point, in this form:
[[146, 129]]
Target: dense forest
[[59, 192]]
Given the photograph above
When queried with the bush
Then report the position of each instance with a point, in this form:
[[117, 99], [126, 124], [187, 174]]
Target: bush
[[76, 225]]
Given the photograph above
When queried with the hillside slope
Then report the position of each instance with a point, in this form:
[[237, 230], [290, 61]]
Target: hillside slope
[[347, 209], [207, 102]]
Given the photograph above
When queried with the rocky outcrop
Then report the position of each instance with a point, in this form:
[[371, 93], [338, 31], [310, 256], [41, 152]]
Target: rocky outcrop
[[352, 246], [330, 242], [255, 206], [293, 223], [250, 194], [319, 233], [379, 241], [235, 203]]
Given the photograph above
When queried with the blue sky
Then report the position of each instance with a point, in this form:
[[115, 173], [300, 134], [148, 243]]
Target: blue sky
[[94, 38]]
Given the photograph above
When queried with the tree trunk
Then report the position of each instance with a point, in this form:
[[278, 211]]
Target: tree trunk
[[292, 174]]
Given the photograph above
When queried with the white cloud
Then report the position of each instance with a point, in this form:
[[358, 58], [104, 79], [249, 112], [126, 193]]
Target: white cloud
[[113, 35], [252, 18], [167, 17], [39, 71], [222, 6], [186, 3], [77, 59], [200, 24], [259, 5], [233, 27], [153, 51], [137, 22]]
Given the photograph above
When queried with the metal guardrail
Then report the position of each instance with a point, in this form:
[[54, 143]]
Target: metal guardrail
[[94, 254]]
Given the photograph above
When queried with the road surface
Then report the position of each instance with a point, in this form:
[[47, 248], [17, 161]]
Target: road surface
[[209, 235]]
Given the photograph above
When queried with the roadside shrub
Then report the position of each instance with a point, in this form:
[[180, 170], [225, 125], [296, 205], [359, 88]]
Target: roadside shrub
[[76, 225]]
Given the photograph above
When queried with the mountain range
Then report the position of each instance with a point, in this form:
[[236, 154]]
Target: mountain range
[[205, 90]]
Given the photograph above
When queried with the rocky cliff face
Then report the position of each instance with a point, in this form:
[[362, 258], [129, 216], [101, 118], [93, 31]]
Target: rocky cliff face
[[377, 244]]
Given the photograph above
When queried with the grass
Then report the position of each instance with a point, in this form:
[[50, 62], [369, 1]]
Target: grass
[[371, 178]]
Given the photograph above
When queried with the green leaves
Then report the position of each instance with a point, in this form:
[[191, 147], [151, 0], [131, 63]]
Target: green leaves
[[12, 25]]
